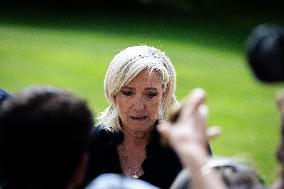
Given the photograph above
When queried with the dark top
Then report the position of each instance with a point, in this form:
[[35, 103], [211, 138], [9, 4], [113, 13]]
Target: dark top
[[160, 167]]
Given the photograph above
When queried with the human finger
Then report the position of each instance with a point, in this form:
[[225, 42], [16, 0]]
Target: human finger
[[192, 104], [213, 132], [164, 129], [203, 112]]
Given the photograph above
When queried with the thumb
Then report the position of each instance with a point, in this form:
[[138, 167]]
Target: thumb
[[164, 128], [213, 132]]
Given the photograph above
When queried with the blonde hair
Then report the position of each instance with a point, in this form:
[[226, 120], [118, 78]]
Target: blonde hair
[[124, 67]]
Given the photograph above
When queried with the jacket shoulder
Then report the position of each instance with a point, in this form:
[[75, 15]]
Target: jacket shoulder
[[98, 135]]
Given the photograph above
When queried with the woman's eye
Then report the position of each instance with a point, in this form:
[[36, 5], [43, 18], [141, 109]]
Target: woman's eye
[[151, 95], [127, 93]]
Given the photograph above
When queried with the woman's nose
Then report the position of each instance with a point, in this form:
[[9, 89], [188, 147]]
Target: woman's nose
[[139, 104]]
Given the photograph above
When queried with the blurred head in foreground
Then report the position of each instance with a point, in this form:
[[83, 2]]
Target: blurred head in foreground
[[265, 52], [235, 175], [43, 139]]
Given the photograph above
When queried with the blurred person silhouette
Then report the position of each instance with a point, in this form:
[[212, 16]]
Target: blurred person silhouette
[[43, 139], [265, 52], [234, 173]]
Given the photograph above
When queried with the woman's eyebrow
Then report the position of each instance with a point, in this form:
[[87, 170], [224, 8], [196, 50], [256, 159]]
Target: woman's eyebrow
[[151, 88], [126, 87]]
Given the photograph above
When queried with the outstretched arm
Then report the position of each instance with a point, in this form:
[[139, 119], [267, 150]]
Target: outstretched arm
[[189, 138]]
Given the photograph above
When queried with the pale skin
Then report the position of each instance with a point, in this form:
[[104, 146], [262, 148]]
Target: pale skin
[[138, 104], [188, 136]]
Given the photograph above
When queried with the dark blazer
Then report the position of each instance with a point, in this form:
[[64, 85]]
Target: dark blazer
[[160, 168]]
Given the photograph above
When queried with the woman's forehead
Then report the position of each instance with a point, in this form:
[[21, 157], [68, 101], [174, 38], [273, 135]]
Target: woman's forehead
[[146, 79], [147, 76]]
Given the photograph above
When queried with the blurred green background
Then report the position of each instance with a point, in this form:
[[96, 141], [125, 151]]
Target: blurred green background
[[72, 50]]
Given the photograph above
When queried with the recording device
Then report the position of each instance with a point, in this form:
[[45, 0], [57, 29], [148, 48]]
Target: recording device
[[265, 52]]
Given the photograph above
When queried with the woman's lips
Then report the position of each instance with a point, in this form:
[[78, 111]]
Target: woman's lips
[[138, 117]]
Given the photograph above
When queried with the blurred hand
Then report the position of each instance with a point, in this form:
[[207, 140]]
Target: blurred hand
[[190, 130]]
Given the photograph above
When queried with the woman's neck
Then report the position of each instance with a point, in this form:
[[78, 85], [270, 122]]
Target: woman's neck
[[137, 137], [137, 140]]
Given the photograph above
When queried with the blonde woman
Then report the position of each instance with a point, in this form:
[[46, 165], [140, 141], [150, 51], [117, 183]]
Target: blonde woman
[[140, 87]]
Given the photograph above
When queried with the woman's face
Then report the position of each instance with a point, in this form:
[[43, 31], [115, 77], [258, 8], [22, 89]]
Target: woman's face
[[138, 103]]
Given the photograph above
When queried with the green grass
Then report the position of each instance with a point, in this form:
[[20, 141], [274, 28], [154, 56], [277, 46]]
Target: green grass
[[74, 53]]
